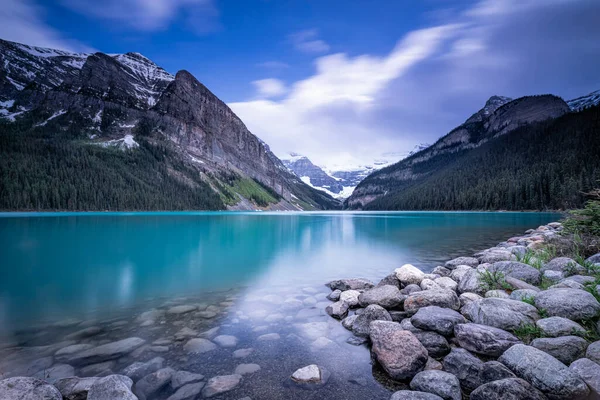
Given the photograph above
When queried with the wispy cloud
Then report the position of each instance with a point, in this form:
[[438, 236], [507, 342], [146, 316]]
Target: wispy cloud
[[308, 41], [270, 87]]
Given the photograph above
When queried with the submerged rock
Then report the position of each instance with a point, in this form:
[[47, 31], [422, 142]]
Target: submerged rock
[[22, 388], [199, 345], [180, 378], [138, 370], [311, 376], [152, 383], [187, 392], [221, 384], [105, 352]]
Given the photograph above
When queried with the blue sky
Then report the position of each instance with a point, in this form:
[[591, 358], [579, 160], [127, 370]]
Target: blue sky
[[343, 82]]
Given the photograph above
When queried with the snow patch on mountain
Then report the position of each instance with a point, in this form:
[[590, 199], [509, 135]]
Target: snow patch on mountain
[[582, 102]]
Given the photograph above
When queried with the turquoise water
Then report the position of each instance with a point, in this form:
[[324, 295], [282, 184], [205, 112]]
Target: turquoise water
[[79, 265]]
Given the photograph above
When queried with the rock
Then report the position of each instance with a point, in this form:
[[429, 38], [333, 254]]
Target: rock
[[311, 376], [221, 384], [386, 296], [187, 392], [520, 285], [242, 353], [412, 395], [439, 383], [350, 297], [544, 372], [295, 304], [361, 324], [483, 339], [181, 309], [65, 352], [391, 279], [494, 371], [74, 388], [446, 283], [568, 303], [440, 298], [553, 276], [507, 389], [268, 337], [181, 378], [335, 295], [56, 372], [226, 340], [398, 316], [398, 351], [466, 298], [494, 255], [245, 369], [313, 330], [593, 352], [152, 383], [437, 346], [349, 321], [433, 364], [565, 265], [501, 313], [470, 261], [500, 294], [199, 345], [458, 274], [151, 315], [408, 289], [105, 352], [209, 334], [589, 371], [465, 366], [138, 370], [428, 284], [437, 319], [112, 387], [471, 283], [408, 274], [559, 326], [518, 270], [84, 333], [338, 310], [99, 369], [350, 284], [22, 388], [442, 271], [521, 294]]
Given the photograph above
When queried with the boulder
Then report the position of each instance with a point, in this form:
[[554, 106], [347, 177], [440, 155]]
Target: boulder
[[187, 392], [408, 274], [437, 319], [312, 330], [152, 383], [507, 389], [181, 378], [349, 321], [499, 294], [470, 261], [553, 276], [426, 298], [350, 284], [433, 364], [544, 372], [246, 369], [589, 371], [311, 376], [112, 387], [494, 255], [199, 345], [518, 284], [412, 395], [437, 346], [428, 284], [559, 326], [350, 297], [518, 270], [568, 303], [483, 339], [335, 295], [138, 370], [361, 324], [22, 388], [465, 366], [593, 352], [338, 310], [595, 259], [398, 351], [471, 282], [466, 298], [501, 313], [75, 388], [440, 383], [391, 279], [56, 372], [408, 289], [459, 273], [442, 271], [565, 349], [221, 384], [446, 283], [387, 296], [521, 294], [566, 265], [105, 352], [494, 371]]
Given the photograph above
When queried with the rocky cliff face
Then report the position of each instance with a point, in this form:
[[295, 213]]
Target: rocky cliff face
[[114, 99], [312, 174]]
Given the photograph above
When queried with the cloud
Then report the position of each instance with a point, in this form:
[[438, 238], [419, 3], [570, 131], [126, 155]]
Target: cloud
[[307, 41], [353, 109], [269, 87], [150, 15], [22, 21]]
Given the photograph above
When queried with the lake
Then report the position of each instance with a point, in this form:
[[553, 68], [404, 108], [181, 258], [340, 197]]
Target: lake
[[249, 274]]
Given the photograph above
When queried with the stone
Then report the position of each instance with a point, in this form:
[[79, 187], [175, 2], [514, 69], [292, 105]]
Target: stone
[[494, 255], [361, 325], [349, 321], [185, 333], [151, 315], [589, 371], [458, 274], [112, 387], [181, 309], [483, 339], [553, 276], [471, 283], [313, 330], [573, 304], [245, 369], [187, 392], [544, 372], [387, 296], [494, 371], [398, 316], [391, 279], [350, 297], [595, 259], [446, 283], [75, 388], [593, 352], [440, 298], [501, 294], [242, 353], [221, 384], [412, 395], [465, 366], [433, 364], [105, 352], [181, 378], [428, 284], [268, 337], [206, 314], [84, 333], [466, 298], [518, 284], [437, 319], [521, 294], [22, 388], [518, 270], [335, 295], [226, 340], [99, 369], [398, 351], [138, 370], [56, 372], [338, 310], [507, 389], [209, 334], [409, 274], [470, 261], [65, 352], [440, 383], [566, 265], [437, 346], [501, 313], [199, 345], [350, 284], [152, 383], [408, 289], [324, 344], [311, 376], [442, 271], [559, 326]]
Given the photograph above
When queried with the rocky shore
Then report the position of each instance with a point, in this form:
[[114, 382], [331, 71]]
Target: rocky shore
[[501, 324]]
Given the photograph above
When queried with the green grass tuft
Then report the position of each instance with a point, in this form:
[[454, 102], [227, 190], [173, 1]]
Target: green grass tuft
[[493, 280]]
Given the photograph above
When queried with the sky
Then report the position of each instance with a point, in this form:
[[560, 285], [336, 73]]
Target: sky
[[344, 82]]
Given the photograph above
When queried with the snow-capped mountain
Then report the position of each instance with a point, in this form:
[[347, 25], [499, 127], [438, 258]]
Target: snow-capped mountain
[[582, 102], [312, 175]]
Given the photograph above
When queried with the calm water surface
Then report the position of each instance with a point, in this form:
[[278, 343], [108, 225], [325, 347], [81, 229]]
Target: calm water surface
[[60, 273]]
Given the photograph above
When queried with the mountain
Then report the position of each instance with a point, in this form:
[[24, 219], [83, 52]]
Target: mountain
[[154, 132], [582, 102], [312, 175], [463, 169]]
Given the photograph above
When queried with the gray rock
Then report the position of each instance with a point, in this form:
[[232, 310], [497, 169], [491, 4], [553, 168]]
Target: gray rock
[[313, 330], [183, 309], [437, 319], [520, 294], [99, 369], [589, 371], [446, 283], [426, 298], [433, 365], [440, 383], [350, 297], [494, 371], [593, 352], [408, 289], [242, 353], [494, 255], [361, 325], [568, 303], [499, 294], [335, 295], [22, 388], [471, 282], [437, 346], [459, 273], [226, 340], [391, 279], [65, 352], [466, 298], [75, 388], [595, 259], [519, 284], [470, 261], [544, 372], [553, 276], [565, 265], [398, 316], [199, 345], [398, 351], [112, 387], [501, 313], [310, 377], [518, 270], [465, 366], [84, 333], [387, 296], [268, 337], [409, 274], [350, 284], [412, 395], [349, 321], [507, 389], [105, 352], [221, 384], [338, 310], [559, 326], [187, 392], [181, 378], [442, 271], [138, 370], [483, 339], [152, 383], [428, 284], [56, 372]]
